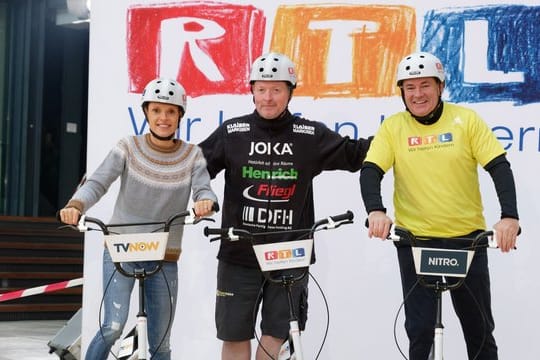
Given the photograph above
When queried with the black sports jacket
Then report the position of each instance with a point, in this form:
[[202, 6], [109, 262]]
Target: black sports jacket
[[269, 167]]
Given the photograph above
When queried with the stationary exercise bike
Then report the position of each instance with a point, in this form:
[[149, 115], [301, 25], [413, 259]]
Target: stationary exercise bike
[[138, 247], [284, 256], [444, 263]]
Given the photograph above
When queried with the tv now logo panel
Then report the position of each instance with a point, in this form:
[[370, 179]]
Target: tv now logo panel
[[136, 247], [341, 50]]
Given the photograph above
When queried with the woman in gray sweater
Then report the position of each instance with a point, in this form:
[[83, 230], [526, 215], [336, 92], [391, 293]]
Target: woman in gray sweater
[[157, 175]]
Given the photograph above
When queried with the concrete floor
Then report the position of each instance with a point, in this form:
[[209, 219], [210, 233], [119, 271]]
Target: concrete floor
[[28, 339]]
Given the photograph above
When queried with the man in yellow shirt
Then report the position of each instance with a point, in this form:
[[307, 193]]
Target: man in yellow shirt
[[434, 148]]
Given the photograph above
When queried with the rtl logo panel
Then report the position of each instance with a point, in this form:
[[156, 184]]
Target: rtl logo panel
[[340, 50]]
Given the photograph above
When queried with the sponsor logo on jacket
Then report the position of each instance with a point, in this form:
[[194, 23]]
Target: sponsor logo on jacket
[[267, 217], [237, 127], [268, 148], [250, 172], [269, 192], [303, 129]]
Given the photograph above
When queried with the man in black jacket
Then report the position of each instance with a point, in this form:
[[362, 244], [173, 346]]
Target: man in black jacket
[[270, 158]]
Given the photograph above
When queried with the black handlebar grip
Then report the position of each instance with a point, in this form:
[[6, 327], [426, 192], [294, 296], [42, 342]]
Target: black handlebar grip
[[215, 207], [348, 216], [343, 217], [215, 231]]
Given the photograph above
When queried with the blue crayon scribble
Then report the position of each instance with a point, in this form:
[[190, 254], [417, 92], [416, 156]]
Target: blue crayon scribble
[[512, 52], [136, 129]]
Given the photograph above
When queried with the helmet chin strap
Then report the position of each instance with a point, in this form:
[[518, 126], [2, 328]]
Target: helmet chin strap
[[163, 138], [430, 118]]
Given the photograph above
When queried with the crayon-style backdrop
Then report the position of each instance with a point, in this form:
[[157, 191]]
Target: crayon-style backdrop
[[346, 53]]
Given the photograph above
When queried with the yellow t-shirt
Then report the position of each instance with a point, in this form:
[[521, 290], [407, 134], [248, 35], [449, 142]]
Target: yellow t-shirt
[[436, 188]]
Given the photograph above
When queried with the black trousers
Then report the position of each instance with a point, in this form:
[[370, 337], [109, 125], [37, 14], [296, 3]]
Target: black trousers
[[471, 301]]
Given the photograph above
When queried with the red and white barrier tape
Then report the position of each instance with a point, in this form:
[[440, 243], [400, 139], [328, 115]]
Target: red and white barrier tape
[[41, 289]]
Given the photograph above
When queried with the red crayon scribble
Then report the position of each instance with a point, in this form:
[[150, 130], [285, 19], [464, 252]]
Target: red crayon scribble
[[212, 45]]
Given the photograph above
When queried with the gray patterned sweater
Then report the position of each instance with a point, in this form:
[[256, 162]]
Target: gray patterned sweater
[[155, 183]]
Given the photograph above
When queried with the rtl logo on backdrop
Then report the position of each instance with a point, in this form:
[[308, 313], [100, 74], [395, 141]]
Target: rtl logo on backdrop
[[341, 50]]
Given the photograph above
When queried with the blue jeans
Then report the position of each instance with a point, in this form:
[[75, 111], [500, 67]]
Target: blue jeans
[[471, 301], [160, 294]]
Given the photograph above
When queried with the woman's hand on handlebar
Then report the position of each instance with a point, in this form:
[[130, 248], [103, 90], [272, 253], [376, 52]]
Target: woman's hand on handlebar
[[69, 215], [507, 230], [203, 208], [379, 224]]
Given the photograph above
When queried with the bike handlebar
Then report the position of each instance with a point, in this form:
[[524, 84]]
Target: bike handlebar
[[191, 218], [406, 237], [233, 234]]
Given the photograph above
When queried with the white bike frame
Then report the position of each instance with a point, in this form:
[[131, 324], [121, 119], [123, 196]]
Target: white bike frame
[[293, 343]]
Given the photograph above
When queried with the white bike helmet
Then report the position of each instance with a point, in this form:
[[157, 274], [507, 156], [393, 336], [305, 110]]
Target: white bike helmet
[[420, 64], [166, 91], [273, 67]]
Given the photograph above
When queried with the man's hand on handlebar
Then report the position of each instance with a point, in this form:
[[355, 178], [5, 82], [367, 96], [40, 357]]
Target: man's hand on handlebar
[[379, 224], [506, 232]]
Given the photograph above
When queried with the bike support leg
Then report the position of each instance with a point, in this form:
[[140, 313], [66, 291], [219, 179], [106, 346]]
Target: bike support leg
[[438, 338], [294, 328], [141, 317]]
